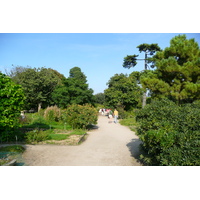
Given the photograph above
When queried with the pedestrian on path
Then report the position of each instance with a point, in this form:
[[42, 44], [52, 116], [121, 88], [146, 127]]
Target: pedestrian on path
[[115, 116], [110, 116]]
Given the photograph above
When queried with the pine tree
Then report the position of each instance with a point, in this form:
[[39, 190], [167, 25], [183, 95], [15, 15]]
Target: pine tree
[[178, 71]]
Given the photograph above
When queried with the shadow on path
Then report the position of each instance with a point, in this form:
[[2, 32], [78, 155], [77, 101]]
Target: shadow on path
[[134, 148]]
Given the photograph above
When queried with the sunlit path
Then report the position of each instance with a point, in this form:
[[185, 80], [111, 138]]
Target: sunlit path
[[109, 145]]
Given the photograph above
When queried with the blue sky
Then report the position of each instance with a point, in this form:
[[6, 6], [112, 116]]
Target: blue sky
[[99, 55]]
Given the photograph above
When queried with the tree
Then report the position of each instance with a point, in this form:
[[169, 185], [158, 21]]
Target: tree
[[11, 103], [100, 98], [177, 74], [38, 84], [123, 91], [131, 60], [74, 91]]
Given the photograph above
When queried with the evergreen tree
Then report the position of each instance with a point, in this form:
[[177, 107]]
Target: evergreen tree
[[178, 71], [74, 91], [131, 60]]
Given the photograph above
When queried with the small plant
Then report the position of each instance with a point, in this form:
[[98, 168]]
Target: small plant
[[36, 136]]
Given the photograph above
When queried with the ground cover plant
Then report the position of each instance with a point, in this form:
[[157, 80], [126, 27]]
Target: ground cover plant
[[170, 134]]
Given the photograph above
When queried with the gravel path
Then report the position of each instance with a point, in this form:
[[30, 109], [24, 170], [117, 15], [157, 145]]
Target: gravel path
[[109, 145]]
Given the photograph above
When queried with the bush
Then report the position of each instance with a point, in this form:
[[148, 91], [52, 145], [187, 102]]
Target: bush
[[11, 103], [170, 133], [36, 136], [52, 113], [81, 116]]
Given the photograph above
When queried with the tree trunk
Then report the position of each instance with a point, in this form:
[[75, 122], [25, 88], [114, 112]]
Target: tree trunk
[[144, 99], [39, 106]]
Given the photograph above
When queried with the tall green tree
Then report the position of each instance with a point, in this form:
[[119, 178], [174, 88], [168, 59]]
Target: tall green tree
[[100, 98], [38, 84], [74, 91], [123, 91], [11, 103], [131, 60], [177, 74]]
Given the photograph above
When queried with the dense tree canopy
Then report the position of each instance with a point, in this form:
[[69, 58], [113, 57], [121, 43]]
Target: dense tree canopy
[[177, 74], [11, 103], [123, 91], [74, 91], [38, 84], [100, 98]]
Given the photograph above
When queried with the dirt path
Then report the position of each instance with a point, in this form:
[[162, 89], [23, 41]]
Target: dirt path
[[109, 145]]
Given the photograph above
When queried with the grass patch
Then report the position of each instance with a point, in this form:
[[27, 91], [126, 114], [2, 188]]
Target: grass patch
[[130, 122], [55, 136], [58, 136], [78, 132]]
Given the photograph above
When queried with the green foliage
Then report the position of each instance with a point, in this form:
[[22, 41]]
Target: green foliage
[[52, 113], [37, 120], [100, 98], [78, 132], [13, 148], [170, 133], [123, 91], [79, 116], [75, 90], [11, 103], [130, 61], [57, 136], [149, 48], [36, 136], [178, 71], [38, 84]]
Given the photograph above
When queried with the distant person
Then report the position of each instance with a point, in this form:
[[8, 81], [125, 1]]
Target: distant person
[[110, 116], [115, 115]]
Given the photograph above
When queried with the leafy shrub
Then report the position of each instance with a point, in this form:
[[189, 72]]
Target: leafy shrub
[[36, 136], [81, 116], [11, 103], [170, 133], [52, 113]]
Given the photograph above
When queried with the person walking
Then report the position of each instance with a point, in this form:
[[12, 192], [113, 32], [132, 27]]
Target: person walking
[[110, 116], [115, 115]]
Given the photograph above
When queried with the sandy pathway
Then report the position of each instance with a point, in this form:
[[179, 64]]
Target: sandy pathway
[[109, 145]]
